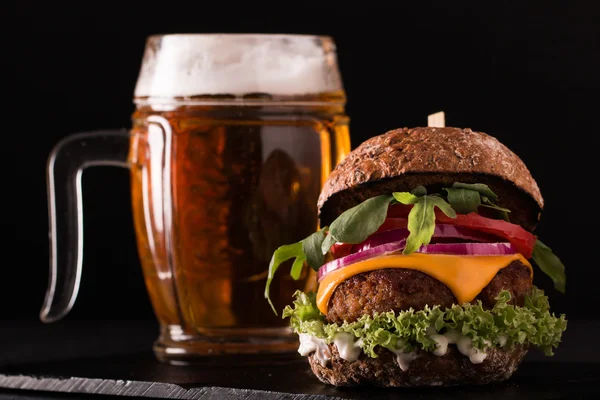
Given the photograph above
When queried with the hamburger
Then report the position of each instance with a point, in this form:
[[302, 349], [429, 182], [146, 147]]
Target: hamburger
[[425, 261]]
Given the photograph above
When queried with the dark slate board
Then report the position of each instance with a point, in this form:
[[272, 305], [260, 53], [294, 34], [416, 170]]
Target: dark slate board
[[573, 373]]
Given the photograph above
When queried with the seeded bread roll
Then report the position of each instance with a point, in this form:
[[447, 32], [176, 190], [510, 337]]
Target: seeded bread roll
[[402, 159], [427, 369]]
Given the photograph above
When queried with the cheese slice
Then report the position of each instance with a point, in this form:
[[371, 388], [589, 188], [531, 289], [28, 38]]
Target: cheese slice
[[465, 276]]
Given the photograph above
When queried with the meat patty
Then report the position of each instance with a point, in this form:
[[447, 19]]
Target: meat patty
[[396, 290], [516, 278]]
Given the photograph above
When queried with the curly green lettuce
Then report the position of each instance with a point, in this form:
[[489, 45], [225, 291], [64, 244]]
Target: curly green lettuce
[[504, 324]]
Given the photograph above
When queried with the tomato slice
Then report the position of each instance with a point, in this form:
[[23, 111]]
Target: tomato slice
[[393, 223], [523, 240], [399, 211], [340, 250]]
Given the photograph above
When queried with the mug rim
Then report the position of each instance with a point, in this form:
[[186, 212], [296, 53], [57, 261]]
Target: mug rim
[[246, 35]]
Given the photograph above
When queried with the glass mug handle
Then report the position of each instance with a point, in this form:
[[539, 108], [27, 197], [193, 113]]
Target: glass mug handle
[[65, 165]]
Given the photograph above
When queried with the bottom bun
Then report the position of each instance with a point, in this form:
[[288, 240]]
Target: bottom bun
[[427, 369]]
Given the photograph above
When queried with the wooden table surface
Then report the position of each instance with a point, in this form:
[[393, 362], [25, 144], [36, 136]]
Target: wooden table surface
[[80, 358]]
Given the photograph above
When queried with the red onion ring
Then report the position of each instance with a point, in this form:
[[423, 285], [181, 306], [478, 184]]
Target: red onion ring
[[442, 231], [378, 251], [473, 249], [469, 249]]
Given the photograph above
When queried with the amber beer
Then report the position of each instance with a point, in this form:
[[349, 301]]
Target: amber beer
[[220, 180]]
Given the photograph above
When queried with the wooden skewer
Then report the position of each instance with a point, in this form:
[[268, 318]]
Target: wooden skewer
[[437, 120]]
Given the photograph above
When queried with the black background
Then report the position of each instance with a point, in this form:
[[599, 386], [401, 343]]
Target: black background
[[527, 74]]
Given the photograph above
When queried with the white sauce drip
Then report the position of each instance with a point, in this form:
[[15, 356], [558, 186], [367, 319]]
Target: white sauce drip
[[463, 343], [309, 344], [442, 344], [404, 358], [465, 346], [349, 349], [502, 340]]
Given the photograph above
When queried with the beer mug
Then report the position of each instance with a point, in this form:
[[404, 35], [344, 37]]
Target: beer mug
[[232, 137]]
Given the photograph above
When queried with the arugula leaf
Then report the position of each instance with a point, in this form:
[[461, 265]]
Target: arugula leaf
[[421, 221], [485, 202], [550, 264], [297, 267], [421, 225], [501, 211], [463, 201], [487, 198], [311, 246], [282, 254], [359, 222], [481, 188], [405, 197], [329, 241], [419, 191], [308, 249], [442, 205]]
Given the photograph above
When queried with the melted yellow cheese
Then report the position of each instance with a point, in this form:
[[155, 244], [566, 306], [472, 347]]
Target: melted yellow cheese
[[465, 276]]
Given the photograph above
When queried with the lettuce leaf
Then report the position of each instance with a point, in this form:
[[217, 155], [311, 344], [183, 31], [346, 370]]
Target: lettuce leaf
[[531, 325]]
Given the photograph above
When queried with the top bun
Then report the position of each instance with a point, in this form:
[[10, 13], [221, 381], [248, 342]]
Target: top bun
[[402, 159]]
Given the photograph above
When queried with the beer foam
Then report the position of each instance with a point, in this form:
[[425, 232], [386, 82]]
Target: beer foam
[[237, 64]]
